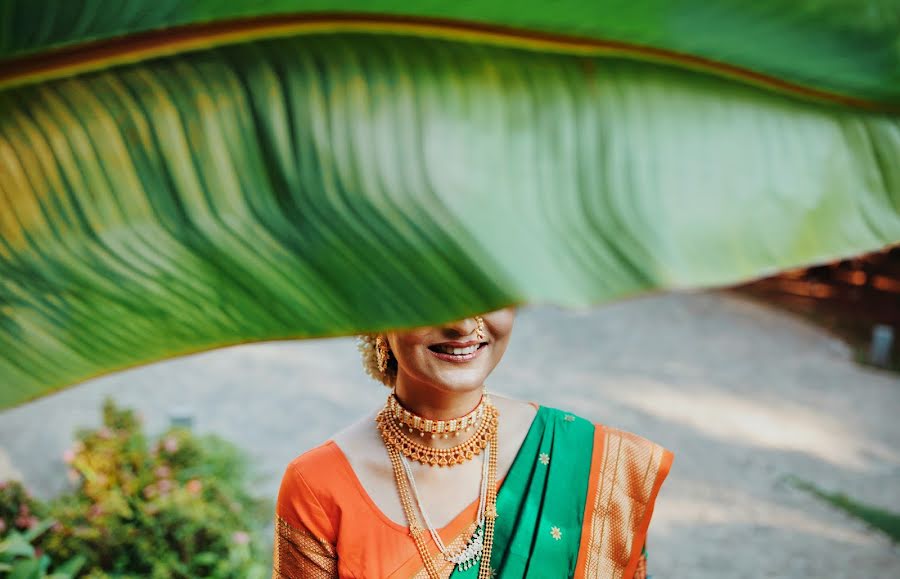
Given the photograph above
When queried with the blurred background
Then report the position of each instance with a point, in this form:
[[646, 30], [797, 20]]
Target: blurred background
[[780, 399]]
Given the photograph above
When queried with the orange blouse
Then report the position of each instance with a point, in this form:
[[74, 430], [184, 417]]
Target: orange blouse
[[322, 499]]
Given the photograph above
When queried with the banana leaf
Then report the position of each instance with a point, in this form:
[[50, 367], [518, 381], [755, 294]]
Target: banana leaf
[[179, 176]]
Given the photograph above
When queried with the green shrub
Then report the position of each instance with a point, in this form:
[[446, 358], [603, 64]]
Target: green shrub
[[176, 507], [18, 509], [19, 527]]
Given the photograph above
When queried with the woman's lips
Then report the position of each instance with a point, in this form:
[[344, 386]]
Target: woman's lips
[[458, 359]]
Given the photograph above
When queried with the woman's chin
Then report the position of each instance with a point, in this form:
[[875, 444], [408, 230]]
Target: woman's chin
[[454, 382]]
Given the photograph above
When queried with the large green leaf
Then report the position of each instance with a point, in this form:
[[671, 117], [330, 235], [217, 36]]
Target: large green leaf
[[848, 47], [328, 183]]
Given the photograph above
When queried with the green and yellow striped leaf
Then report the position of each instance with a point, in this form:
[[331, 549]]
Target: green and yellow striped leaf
[[176, 177]]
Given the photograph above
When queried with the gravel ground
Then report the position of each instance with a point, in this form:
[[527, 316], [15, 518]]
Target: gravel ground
[[742, 394]]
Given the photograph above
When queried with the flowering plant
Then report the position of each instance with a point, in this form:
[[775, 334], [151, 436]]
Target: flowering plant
[[20, 525], [173, 507], [18, 509]]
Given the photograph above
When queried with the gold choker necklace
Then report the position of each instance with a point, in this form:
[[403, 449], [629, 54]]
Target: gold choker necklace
[[436, 428], [458, 454]]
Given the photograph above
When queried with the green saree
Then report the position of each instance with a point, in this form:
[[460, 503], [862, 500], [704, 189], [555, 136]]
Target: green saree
[[576, 502]]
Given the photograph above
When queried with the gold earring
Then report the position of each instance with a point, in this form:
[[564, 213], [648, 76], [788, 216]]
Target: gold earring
[[480, 331], [382, 353]]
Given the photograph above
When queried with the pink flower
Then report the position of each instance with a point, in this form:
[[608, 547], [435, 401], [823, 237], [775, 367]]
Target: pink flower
[[150, 491], [194, 486], [23, 510], [163, 471], [105, 432], [25, 522], [240, 537], [73, 475], [57, 527], [95, 511], [164, 485], [171, 444], [3, 484], [69, 456]]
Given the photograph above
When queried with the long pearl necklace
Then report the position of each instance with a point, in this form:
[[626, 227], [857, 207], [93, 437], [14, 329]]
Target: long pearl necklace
[[468, 555]]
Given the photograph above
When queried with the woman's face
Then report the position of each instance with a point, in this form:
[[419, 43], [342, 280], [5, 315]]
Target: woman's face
[[422, 363]]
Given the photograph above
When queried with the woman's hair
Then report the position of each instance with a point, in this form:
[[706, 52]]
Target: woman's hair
[[366, 345]]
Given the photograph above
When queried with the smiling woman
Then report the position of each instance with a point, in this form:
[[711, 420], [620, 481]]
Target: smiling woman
[[447, 480]]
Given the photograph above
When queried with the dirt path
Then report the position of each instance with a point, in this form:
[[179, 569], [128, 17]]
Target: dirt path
[[743, 395]]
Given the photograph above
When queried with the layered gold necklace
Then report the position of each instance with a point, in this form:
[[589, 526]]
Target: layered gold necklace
[[400, 448], [457, 454]]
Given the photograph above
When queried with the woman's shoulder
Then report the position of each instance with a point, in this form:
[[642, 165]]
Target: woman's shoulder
[[310, 473], [317, 459], [313, 487], [328, 471], [515, 414], [330, 455], [303, 509]]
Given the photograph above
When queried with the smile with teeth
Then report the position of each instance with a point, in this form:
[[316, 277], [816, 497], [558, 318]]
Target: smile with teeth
[[457, 351]]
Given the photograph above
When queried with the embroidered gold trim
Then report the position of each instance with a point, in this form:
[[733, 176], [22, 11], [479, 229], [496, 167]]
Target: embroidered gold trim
[[298, 554], [627, 475]]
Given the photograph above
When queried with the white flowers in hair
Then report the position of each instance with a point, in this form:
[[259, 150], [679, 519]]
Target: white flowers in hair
[[365, 343]]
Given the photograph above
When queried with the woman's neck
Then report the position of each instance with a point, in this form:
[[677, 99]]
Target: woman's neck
[[436, 404]]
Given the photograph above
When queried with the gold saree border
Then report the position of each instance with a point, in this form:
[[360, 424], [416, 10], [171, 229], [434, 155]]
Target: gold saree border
[[299, 554], [626, 474]]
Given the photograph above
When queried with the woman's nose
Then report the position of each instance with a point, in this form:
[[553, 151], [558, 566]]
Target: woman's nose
[[463, 327]]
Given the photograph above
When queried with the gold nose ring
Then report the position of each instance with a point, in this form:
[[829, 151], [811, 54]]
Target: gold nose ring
[[480, 331]]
